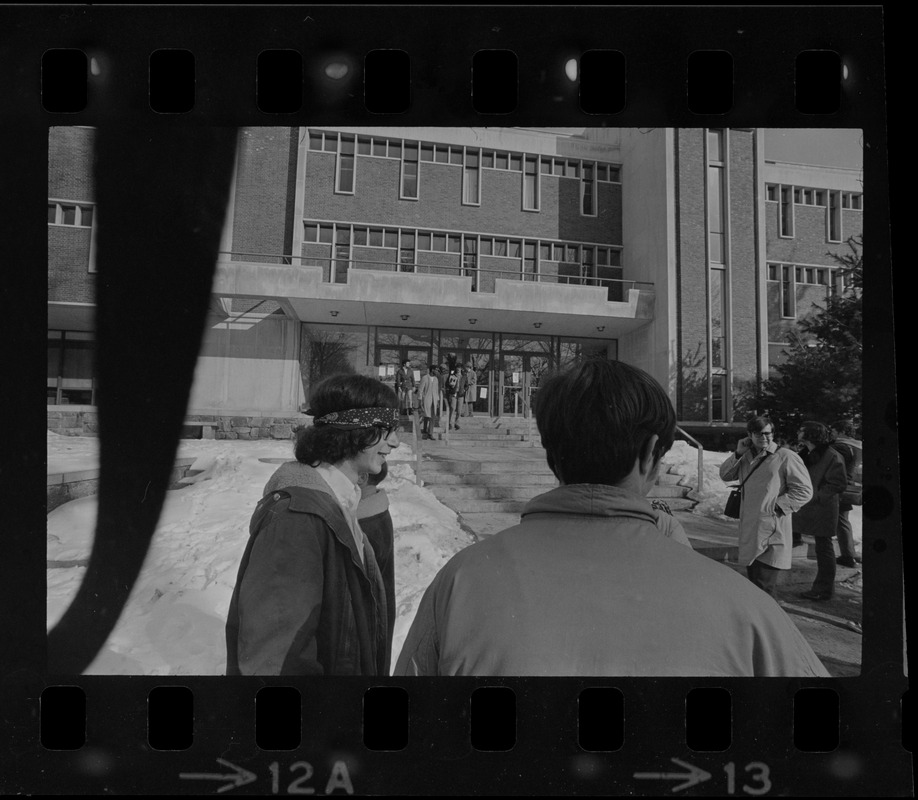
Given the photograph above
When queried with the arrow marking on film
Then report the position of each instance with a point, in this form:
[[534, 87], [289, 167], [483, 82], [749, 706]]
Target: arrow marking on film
[[690, 778], [240, 778]]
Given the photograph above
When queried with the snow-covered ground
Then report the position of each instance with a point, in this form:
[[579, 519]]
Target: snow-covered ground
[[173, 623]]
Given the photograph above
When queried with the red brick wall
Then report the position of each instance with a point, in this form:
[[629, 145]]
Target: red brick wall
[[70, 178], [384, 258], [376, 200], [743, 252], [809, 244], [263, 218]]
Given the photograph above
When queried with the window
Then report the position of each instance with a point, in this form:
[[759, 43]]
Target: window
[[771, 192], [427, 152], [846, 200], [390, 239], [797, 195], [331, 142], [718, 315], [455, 155], [615, 174], [73, 214], [344, 177], [516, 163], [487, 159], [376, 237], [439, 242], [587, 190], [513, 248], [531, 184], [572, 253], [772, 272], [545, 252], [470, 260], [315, 140], [546, 166], [715, 144], [500, 247], [716, 232], [379, 148], [808, 197], [573, 169], [326, 234], [360, 236], [856, 202], [834, 218], [819, 197], [364, 144], [586, 263], [406, 252], [602, 172], [471, 183], [342, 253], [529, 263], [395, 148], [454, 243], [487, 246], [310, 232], [788, 304], [423, 240], [558, 167], [502, 161], [787, 212], [410, 172]]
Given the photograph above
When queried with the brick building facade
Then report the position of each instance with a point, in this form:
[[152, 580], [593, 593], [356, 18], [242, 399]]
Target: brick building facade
[[690, 252]]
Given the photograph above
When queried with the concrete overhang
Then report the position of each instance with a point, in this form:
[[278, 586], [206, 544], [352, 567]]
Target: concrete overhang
[[71, 316], [438, 301]]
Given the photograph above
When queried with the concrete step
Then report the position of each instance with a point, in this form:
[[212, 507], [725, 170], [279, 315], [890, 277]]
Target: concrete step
[[460, 437], [444, 493], [669, 478], [525, 466], [462, 505], [665, 491], [490, 479]]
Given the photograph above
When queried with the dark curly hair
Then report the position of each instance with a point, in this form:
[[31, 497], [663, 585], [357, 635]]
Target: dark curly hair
[[815, 433], [323, 443]]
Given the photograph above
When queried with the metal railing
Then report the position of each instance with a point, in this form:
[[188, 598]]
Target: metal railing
[[692, 440], [581, 274]]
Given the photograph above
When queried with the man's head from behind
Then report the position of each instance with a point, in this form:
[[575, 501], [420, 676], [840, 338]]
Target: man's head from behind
[[599, 418]]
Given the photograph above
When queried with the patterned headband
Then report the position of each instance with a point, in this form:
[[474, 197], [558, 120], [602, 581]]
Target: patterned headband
[[354, 418]]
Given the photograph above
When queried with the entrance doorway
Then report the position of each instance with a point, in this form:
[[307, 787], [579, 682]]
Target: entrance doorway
[[389, 359], [519, 376]]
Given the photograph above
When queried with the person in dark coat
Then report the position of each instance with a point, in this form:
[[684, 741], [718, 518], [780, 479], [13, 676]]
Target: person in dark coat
[[819, 517], [376, 522], [309, 597], [851, 450], [404, 387]]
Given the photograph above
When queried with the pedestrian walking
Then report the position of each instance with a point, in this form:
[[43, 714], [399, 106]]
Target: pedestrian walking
[[851, 450], [450, 391], [819, 517], [775, 483], [471, 389], [585, 584]]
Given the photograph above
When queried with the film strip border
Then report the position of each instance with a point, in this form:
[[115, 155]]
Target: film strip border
[[571, 736], [437, 719], [599, 78]]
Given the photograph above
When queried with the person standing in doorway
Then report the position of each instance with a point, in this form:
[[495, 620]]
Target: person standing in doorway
[[429, 401], [851, 450], [404, 387], [775, 484], [819, 517], [471, 389], [450, 391]]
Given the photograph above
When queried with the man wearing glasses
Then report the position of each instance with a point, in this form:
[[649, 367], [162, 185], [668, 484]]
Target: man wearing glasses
[[775, 483]]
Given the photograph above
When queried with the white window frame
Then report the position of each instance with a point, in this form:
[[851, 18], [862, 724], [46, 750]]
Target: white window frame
[[538, 185], [792, 225], [465, 169], [401, 178], [792, 271], [79, 205], [838, 211], [593, 181], [338, 156]]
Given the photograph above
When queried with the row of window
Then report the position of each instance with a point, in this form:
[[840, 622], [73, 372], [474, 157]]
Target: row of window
[[75, 214], [815, 197], [789, 197], [471, 159], [789, 276], [434, 241]]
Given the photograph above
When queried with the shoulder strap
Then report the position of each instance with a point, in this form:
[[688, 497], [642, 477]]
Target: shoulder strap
[[753, 470]]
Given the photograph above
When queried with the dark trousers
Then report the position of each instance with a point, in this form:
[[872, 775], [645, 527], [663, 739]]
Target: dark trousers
[[825, 566], [845, 533], [763, 576]]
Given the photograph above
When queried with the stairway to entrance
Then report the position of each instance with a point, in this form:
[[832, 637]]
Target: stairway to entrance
[[488, 470]]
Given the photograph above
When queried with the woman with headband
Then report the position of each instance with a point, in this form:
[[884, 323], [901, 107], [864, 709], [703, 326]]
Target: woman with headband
[[309, 598]]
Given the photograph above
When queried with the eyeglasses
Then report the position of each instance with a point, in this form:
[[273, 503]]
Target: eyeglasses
[[387, 430], [763, 434]]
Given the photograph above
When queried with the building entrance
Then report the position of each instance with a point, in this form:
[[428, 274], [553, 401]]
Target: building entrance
[[389, 359], [518, 379]]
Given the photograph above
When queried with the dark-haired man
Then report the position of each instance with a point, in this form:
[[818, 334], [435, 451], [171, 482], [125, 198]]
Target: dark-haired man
[[586, 584], [851, 450]]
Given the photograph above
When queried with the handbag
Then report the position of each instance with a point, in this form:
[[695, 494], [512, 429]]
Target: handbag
[[853, 495], [735, 500]]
